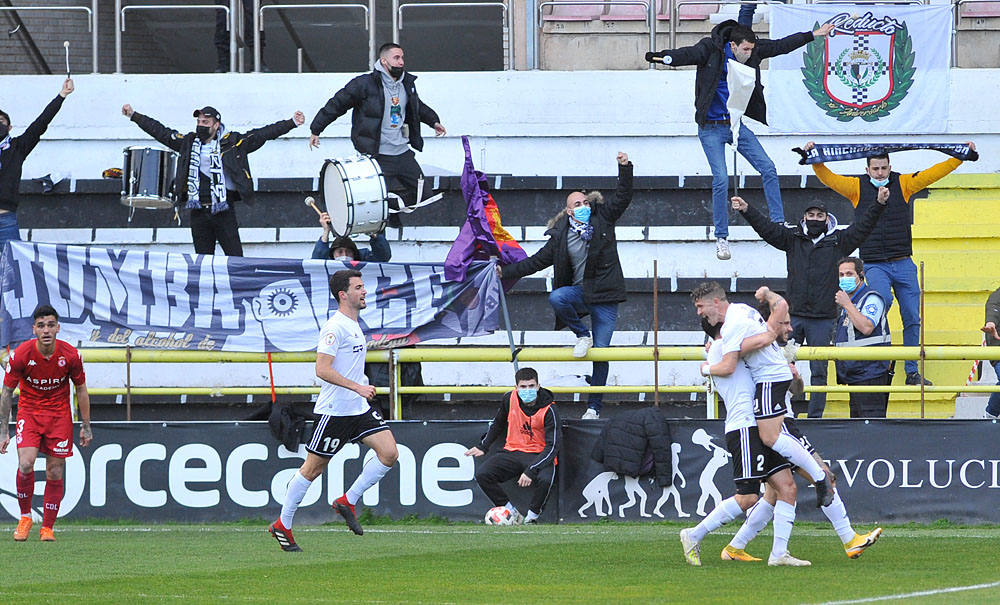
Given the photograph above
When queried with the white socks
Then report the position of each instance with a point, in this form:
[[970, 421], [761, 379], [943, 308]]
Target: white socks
[[837, 514], [725, 512], [297, 488], [797, 454], [531, 516], [370, 475], [757, 519], [784, 518]]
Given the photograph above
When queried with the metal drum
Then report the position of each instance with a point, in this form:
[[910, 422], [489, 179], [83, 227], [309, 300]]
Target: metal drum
[[147, 178], [355, 195]]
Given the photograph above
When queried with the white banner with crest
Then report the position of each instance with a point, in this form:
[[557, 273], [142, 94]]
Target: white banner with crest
[[884, 69]]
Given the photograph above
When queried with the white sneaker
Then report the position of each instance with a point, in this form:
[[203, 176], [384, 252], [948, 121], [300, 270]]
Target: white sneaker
[[788, 560], [582, 346], [516, 518], [722, 249], [692, 550], [590, 414]]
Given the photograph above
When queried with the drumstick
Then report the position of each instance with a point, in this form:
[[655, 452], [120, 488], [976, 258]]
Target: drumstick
[[66, 46], [310, 201]]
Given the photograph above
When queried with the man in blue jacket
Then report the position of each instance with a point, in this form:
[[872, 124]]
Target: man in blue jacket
[[343, 248]]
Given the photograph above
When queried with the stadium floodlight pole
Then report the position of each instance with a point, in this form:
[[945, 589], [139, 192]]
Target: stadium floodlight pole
[[506, 319]]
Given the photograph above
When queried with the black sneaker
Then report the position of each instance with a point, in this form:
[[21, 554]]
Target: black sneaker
[[284, 537], [824, 493], [346, 510], [914, 379]]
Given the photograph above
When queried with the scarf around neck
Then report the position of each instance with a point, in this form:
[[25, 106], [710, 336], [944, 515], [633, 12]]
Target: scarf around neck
[[218, 187]]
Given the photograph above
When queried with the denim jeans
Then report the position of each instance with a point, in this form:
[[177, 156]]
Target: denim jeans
[[8, 229], [993, 406], [745, 17], [568, 304], [901, 277], [815, 333], [714, 138]]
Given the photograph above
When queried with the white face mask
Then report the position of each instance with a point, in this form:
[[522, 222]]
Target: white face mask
[[343, 258]]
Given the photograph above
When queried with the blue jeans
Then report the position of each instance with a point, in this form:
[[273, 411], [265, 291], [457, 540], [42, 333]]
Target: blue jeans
[[815, 333], [568, 304], [714, 138], [8, 229], [993, 406], [746, 14], [901, 277]]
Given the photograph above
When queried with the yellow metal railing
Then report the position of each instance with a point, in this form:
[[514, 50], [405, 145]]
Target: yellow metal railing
[[540, 354]]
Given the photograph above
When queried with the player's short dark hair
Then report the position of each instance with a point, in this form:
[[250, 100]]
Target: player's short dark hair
[[387, 47], [859, 265], [44, 311], [4, 115], [708, 289], [525, 374], [740, 34], [341, 282], [878, 156]]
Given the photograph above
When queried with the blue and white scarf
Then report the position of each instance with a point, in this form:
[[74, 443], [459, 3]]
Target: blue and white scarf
[[4, 145], [585, 230], [219, 203], [833, 152]]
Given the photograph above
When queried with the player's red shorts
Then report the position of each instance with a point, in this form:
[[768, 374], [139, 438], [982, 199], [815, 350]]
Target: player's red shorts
[[52, 435]]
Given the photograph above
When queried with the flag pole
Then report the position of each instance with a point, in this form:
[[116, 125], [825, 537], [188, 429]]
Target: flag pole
[[506, 321]]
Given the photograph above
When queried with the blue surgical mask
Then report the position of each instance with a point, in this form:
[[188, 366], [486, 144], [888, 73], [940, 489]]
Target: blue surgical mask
[[848, 284], [527, 395], [582, 214], [881, 183]]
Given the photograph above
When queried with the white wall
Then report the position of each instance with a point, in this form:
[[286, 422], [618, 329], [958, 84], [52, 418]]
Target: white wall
[[522, 123]]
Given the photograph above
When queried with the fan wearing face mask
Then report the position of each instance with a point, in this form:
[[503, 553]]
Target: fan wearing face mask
[[887, 253], [213, 172], [812, 249], [344, 249]]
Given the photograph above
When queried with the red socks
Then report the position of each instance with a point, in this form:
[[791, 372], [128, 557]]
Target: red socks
[[25, 490], [53, 496]]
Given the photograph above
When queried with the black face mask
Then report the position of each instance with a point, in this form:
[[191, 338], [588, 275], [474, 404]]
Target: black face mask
[[4, 131], [395, 72], [203, 132], [815, 228], [709, 329]]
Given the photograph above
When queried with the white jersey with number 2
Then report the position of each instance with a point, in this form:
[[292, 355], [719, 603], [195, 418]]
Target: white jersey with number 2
[[342, 338], [767, 364]]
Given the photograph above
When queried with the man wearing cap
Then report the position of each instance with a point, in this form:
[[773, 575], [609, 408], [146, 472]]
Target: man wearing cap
[[812, 249], [213, 172], [343, 248]]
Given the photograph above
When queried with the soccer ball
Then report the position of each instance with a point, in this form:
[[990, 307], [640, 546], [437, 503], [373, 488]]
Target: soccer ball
[[499, 515]]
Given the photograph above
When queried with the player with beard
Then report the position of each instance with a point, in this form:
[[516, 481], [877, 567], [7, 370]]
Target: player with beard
[[344, 411]]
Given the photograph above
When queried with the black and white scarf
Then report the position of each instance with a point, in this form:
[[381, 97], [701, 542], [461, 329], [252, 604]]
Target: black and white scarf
[[4, 145], [833, 152], [584, 230], [219, 203]]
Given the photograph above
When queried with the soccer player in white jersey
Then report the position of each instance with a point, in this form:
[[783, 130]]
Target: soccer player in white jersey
[[854, 543], [767, 366], [345, 415], [753, 463]]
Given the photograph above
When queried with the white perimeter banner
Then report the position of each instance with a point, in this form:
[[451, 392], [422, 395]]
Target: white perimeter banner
[[884, 69]]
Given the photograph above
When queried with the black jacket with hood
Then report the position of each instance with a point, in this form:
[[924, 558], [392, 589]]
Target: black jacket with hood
[[629, 441], [709, 54]]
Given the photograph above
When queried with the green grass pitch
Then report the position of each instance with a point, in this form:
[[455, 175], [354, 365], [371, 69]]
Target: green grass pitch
[[465, 563]]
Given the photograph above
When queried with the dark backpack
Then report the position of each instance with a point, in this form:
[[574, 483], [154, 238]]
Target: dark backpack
[[287, 426]]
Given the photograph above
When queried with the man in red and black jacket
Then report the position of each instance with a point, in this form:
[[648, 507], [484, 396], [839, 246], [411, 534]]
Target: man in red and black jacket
[[530, 425]]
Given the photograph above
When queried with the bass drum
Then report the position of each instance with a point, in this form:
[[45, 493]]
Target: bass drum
[[147, 178], [355, 195]]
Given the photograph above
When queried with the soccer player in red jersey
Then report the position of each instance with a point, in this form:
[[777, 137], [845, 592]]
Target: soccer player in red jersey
[[43, 368]]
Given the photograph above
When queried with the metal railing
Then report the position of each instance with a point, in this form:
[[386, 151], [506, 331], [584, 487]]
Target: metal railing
[[507, 19], [120, 11], [258, 26], [396, 357], [91, 21], [537, 22]]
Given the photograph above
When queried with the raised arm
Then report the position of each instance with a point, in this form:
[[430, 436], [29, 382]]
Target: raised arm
[[775, 234], [166, 136], [688, 55], [772, 48], [255, 139], [623, 194], [36, 129], [912, 183]]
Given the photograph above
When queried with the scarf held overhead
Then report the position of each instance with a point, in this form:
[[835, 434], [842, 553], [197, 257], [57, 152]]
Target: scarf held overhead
[[835, 152]]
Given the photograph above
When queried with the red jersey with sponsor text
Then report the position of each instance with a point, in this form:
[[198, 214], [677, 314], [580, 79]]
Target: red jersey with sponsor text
[[44, 381]]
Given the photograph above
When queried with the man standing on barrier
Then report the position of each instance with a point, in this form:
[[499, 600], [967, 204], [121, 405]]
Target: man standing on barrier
[[345, 415], [13, 152], [213, 172], [42, 368], [730, 40], [587, 273], [993, 340], [529, 425], [385, 123], [812, 250], [888, 250]]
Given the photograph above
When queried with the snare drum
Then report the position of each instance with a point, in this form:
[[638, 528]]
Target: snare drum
[[147, 178], [355, 195]]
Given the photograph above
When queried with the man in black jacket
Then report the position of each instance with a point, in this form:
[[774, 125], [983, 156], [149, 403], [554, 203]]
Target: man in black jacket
[[730, 40], [587, 274], [812, 250], [13, 152], [529, 425], [213, 171], [385, 123]]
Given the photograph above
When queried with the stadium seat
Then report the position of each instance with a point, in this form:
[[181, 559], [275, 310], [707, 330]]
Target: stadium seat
[[687, 12], [578, 12], [625, 12], [980, 9]]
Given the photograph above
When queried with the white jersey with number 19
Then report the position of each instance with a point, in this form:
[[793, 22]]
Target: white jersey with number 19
[[342, 338]]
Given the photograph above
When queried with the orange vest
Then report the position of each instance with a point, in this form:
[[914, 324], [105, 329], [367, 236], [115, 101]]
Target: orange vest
[[525, 433]]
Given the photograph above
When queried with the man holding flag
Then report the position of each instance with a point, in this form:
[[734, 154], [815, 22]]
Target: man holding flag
[[730, 41]]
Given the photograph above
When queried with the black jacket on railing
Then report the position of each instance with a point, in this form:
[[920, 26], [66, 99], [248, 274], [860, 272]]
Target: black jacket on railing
[[235, 147], [635, 444]]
